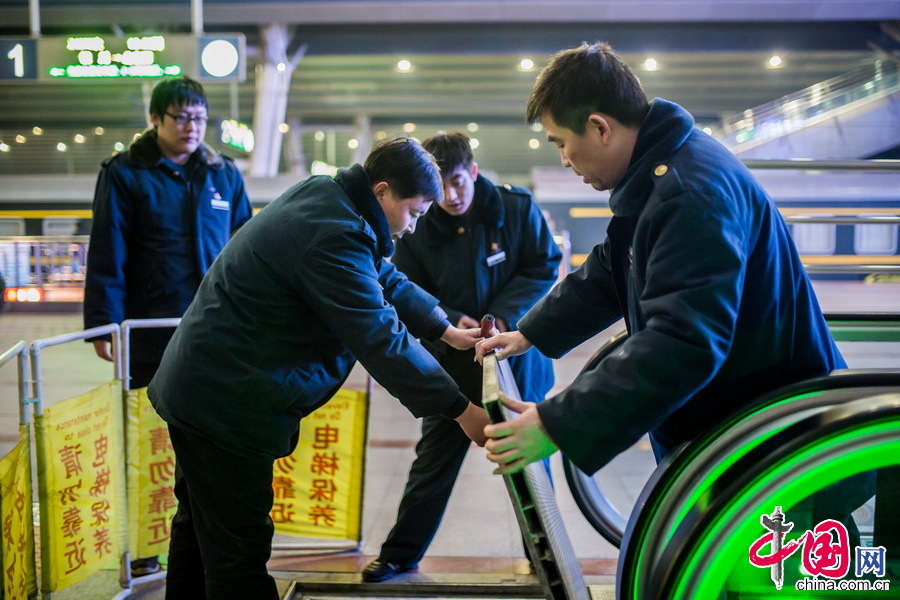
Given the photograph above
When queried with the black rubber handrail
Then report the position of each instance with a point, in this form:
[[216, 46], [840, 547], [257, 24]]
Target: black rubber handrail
[[593, 503]]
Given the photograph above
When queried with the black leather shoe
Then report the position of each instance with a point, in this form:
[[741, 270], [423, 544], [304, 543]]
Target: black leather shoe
[[381, 570]]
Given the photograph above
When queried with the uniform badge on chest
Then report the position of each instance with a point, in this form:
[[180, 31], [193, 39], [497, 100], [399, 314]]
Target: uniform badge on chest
[[496, 258]]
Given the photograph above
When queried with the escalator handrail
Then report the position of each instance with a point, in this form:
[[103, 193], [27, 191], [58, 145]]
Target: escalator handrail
[[798, 440], [603, 516], [680, 473]]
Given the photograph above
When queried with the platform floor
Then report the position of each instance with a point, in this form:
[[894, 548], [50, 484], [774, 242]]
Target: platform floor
[[465, 551]]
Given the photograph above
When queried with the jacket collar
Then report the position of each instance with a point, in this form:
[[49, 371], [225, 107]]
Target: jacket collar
[[355, 182], [487, 210], [663, 132], [144, 152]]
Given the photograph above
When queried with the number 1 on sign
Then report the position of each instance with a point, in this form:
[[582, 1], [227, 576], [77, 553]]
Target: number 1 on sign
[[17, 55]]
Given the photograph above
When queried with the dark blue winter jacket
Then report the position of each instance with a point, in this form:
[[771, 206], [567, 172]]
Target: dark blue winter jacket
[[716, 301], [299, 294], [155, 232]]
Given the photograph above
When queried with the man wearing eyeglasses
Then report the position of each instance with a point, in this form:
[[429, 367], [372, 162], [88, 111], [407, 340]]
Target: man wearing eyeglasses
[[162, 212]]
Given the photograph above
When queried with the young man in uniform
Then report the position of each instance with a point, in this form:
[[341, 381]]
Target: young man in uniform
[[163, 211]]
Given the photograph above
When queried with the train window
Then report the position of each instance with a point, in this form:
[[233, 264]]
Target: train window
[[12, 226], [875, 239], [60, 226], [815, 238]]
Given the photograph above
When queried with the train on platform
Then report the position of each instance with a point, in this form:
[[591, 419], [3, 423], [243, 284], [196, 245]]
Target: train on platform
[[845, 223]]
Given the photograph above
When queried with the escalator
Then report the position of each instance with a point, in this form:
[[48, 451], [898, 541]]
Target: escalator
[[700, 514]]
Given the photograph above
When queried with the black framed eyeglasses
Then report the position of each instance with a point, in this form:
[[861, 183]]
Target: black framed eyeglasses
[[182, 120]]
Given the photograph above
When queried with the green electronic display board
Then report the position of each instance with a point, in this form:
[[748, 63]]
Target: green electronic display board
[[213, 57]]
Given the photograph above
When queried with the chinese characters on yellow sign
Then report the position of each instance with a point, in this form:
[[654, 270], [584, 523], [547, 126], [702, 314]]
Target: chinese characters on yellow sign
[[318, 488], [151, 478], [82, 485], [17, 544]]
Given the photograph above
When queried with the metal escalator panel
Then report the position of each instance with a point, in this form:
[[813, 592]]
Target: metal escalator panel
[[534, 503], [707, 555]]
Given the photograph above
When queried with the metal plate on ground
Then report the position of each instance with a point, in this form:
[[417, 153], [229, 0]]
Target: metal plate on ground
[[534, 502]]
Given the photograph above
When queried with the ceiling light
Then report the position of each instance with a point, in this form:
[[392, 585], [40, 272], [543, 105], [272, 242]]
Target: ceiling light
[[404, 65], [20, 139], [534, 143], [319, 135], [78, 139], [775, 62], [650, 64], [353, 143], [409, 127], [61, 147], [526, 64], [474, 143], [99, 131], [4, 147], [37, 131], [283, 128], [472, 127]]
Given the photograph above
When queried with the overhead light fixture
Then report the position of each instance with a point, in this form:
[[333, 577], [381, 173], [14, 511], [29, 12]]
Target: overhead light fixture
[[409, 127], [775, 62], [534, 143], [650, 64], [474, 143], [472, 127], [526, 64], [404, 65]]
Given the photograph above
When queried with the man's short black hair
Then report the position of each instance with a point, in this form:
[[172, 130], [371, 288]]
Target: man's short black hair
[[590, 78], [407, 167], [177, 91], [450, 150]]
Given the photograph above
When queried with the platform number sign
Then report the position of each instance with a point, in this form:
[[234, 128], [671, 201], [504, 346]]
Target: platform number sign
[[18, 59]]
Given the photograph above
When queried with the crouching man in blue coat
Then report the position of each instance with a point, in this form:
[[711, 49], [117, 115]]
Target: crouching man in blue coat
[[296, 297]]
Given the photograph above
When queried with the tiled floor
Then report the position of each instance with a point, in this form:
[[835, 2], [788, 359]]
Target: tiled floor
[[479, 539]]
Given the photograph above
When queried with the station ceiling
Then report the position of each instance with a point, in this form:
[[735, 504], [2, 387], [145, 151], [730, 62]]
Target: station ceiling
[[712, 58]]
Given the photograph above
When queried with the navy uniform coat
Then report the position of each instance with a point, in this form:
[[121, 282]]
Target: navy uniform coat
[[499, 259], [156, 230], [299, 294], [717, 304]]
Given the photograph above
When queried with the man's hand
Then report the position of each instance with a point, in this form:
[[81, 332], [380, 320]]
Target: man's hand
[[102, 348], [516, 443], [461, 339], [473, 421], [467, 322], [511, 343]]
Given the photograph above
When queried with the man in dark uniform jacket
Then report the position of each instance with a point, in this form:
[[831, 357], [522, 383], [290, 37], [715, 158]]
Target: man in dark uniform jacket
[[300, 294], [486, 249], [163, 211], [697, 260]]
